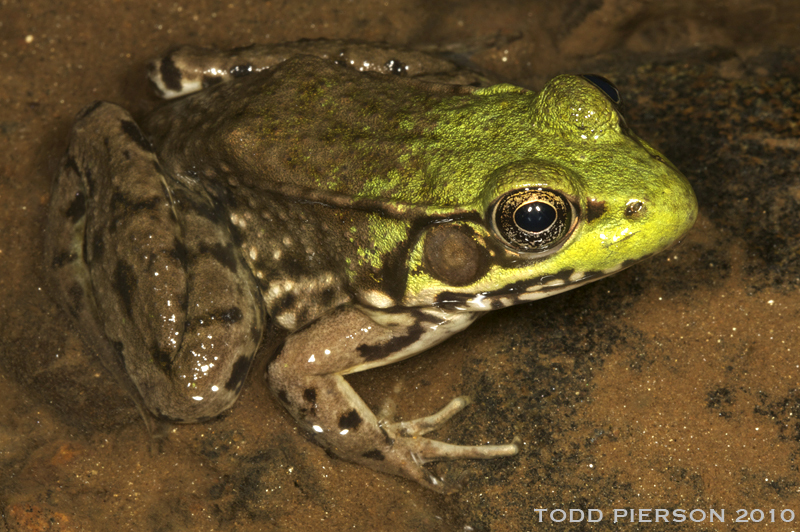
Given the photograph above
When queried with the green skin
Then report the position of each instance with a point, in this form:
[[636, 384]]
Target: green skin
[[354, 219]]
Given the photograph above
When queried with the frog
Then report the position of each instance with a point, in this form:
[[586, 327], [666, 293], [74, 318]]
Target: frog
[[335, 207]]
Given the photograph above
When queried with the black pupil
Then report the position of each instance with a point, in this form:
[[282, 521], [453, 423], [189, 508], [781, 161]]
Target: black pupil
[[604, 85], [535, 217]]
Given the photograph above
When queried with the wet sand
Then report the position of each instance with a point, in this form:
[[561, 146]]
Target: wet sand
[[672, 385]]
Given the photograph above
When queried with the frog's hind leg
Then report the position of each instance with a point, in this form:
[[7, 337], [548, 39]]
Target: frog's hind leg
[[167, 305], [69, 276]]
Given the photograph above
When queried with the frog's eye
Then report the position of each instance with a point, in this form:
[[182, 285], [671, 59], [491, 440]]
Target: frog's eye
[[533, 220], [608, 88]]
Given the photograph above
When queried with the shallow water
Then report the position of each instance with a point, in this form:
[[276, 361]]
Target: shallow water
[[672, 385]]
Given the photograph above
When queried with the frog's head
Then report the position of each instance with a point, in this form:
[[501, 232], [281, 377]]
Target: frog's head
[[585, 198]]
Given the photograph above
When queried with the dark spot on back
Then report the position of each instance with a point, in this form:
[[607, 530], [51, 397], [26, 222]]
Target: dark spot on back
[[170, 74], [238, 374], [135, 134], [350, 421], [124, 284], [310, 395], [374, 454], [77, 207]]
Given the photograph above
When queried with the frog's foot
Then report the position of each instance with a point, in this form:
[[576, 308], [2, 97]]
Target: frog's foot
[[308, 378], [410, 452], [351, 431]]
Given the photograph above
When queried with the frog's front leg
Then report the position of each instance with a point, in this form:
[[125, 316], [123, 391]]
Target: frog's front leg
[[307, 376]]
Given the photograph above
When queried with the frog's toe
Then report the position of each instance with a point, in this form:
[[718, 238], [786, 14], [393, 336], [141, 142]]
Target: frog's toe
[[410, 452], [424, 425], [434, 450], [408, 457]]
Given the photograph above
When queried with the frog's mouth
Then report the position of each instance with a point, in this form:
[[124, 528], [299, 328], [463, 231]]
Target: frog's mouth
[[528, 290]]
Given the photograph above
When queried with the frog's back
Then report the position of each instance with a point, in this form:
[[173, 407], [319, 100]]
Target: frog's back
[[308, 125], [288, 153]]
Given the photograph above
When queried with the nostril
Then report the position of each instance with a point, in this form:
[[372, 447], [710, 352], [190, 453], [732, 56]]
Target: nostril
[[635, 208]]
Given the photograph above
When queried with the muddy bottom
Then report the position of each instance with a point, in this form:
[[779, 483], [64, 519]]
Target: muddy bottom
[[665, 392]]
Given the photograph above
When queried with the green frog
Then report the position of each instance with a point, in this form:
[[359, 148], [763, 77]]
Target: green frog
[[349, 206]]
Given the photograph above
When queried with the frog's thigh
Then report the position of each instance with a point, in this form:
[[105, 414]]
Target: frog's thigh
[[132, 271], [307, 378]]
